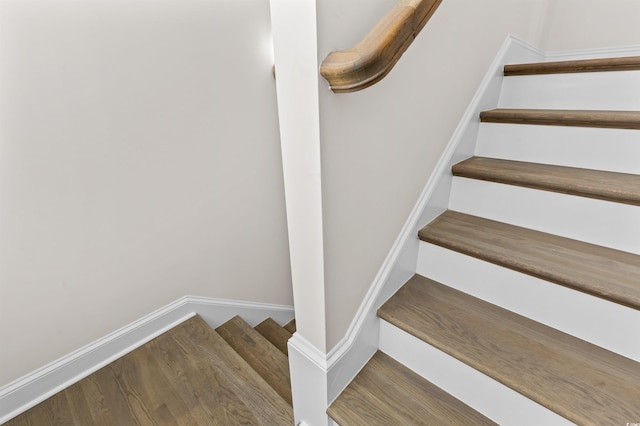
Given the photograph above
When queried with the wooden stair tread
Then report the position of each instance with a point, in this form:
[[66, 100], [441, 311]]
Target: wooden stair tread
[[558, 117], [256, 393], [291, 326], [604, 185], [187, 376], [274, 333], [179, 356], [386, 392], [628, 63], [607, 273], [578, 380], [258, 352]]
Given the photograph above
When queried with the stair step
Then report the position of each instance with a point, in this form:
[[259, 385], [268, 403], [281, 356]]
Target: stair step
[[559, 117], [603, 185], [188, 375], [259, 353], [256, 393], [278, 336], [291, 326], [385, 392], [603, 272], [628, 63], [580, 381], [616, 150]]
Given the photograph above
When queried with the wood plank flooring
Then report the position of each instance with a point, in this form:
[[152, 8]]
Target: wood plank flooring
[[187, 376], [578, 380]]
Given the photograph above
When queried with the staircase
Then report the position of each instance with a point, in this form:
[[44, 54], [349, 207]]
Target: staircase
[[525, 306], [190, 375]]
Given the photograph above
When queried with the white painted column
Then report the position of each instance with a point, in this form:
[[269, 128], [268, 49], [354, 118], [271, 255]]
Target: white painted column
[[296, 60]]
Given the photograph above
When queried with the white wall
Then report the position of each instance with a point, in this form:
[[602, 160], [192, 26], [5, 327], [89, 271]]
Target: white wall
[[589, 24], [379, 146], [139, 162]]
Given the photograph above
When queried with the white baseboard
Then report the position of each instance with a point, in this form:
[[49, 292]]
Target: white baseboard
[[30, 390], [308, 368]]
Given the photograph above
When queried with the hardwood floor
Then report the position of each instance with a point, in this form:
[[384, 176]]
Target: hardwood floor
[[187, 376], [387, 393]]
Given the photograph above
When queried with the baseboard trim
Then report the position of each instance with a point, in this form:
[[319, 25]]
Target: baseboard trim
[[35, 387]]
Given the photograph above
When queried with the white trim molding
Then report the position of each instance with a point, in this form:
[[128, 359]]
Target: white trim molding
[[35, 387]]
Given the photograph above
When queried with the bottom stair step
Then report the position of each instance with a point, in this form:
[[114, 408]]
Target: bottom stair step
[[387, 393], [580, 381]]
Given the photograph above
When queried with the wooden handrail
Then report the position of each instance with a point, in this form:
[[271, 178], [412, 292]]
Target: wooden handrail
[[370, 60]]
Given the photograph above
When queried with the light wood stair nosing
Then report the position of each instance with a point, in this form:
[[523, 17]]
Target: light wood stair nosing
[[561, 117], [627, 63], [602, 185], [602, 272]]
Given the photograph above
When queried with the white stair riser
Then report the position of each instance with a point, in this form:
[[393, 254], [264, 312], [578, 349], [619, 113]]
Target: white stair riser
[[599, 222], [487, 396], [615, 150], [617, 90], [589, 318]]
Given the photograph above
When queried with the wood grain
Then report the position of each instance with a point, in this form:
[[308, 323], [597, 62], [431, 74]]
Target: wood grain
[[259, 353], [370, 60], [187, 376], [291, 326], [278, 336], [628, 63], [603, 272], [268, 406], [385, 392], [603, 185], [580, 381], [575, 118]]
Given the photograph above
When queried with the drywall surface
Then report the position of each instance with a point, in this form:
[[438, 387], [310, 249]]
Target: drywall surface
[[590, 24], [380, 145], [139, 162]]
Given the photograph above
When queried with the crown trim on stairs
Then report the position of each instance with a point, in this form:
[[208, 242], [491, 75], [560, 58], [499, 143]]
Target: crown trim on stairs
[[35, 387]]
